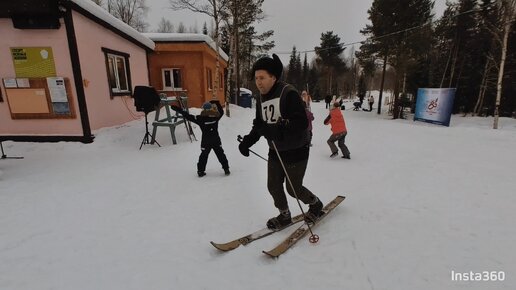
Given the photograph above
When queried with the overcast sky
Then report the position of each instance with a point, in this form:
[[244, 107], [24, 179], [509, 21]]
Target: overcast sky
[[295, 22]]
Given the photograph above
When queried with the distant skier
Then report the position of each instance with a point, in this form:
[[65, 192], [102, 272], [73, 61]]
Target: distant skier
[[339, 132], [281, 118], [208, 121], [371, 102], [327, 100]]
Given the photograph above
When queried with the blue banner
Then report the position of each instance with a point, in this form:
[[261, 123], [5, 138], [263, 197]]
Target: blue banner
[[434, 105]]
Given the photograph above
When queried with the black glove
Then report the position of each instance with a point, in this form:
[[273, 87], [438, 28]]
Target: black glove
[[274, 131], [244, 149], [282, 123]]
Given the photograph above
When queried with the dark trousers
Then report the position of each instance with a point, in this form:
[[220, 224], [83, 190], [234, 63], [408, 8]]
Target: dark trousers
[[370, 107], [276, 178], [341, 137], [205, 151]]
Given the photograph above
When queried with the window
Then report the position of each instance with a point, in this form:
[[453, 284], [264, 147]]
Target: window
[[119, 76], [172, 79], [209, 79]]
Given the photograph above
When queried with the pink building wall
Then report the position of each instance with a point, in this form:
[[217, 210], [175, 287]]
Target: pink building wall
[[103, 110], [56, 39]]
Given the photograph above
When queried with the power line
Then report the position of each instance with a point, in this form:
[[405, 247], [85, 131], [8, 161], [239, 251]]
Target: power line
[[343, 44]]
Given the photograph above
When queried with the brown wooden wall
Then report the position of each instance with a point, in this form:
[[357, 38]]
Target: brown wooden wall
[[193, 59]]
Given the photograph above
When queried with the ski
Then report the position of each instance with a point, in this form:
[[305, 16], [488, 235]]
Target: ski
[[253, 237], [302, 230]]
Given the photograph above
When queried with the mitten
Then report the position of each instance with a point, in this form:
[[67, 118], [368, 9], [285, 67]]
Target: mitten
[[244, 149]]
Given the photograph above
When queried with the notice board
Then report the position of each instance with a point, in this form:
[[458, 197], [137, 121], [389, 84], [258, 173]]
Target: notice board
[[39, 98]]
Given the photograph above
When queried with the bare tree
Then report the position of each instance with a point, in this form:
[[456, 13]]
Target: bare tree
[[214, 9], [165, 26], [194, 28], [509, 12], [181, 28], [132, 12]]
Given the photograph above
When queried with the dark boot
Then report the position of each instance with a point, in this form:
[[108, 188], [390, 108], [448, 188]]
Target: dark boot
[[282, 220], [226, 171], [314, 211], [201, 173]]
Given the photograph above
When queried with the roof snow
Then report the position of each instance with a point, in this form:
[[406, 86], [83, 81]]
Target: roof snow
[[186, 37], [102, 14]]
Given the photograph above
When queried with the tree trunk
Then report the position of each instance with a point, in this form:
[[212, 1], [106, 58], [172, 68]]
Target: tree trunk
[[454, 63], [446, 67], [507, 27], [382, 83], [396, 112], [229, 83], [237, 55], [481, 90]]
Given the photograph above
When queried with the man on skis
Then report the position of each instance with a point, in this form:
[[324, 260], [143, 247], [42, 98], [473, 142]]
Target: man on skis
[[282, 120]]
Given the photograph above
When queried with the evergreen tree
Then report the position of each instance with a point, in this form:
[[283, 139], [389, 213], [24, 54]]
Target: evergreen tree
[[329, 57], [313, 82], [205, 29], [244, 42], [394, 36], [305, 74]]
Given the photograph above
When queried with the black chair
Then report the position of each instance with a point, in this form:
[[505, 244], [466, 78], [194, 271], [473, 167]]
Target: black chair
[[146, 100]]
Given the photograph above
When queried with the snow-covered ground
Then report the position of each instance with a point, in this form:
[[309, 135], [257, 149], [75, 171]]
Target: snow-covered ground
[[423, 201]]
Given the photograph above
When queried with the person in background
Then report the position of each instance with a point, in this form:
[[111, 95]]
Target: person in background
[[310, 117], [339, 132], [307, 99], [327, 100], [371, 102], [281, 119], [208, 121]]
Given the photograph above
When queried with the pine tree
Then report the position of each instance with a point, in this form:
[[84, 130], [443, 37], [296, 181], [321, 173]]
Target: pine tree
[[305, 74], [205, 29], [329, 56], [394, 38]]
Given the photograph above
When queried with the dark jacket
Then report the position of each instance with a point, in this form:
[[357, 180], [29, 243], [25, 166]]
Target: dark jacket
[[209, 124], [287, 125]]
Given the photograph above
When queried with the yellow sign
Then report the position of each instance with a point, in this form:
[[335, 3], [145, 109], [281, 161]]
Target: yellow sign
[[33, 62]]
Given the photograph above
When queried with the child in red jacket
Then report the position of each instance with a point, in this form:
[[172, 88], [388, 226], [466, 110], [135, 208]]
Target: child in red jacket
[[339, 132]]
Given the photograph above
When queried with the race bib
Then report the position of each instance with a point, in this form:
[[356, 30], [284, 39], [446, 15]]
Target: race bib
[[271, 111]]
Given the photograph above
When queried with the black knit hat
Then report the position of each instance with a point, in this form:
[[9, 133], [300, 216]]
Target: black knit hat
[[272, 65]]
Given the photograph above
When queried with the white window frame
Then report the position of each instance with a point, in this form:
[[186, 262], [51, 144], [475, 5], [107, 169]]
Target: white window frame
[[123, 59], [173, 86]]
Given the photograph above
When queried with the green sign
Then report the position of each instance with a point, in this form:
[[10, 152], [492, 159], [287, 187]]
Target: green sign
[[33, 62]]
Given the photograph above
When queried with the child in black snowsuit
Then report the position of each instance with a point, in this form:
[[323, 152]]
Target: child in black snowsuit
[[208, 121]]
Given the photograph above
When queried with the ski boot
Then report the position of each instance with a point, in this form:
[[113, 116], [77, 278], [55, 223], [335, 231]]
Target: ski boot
[[282, 220], [314, 211]]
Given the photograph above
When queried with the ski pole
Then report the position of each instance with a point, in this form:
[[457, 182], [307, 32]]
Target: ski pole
[[239, 139], [313, 238]]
